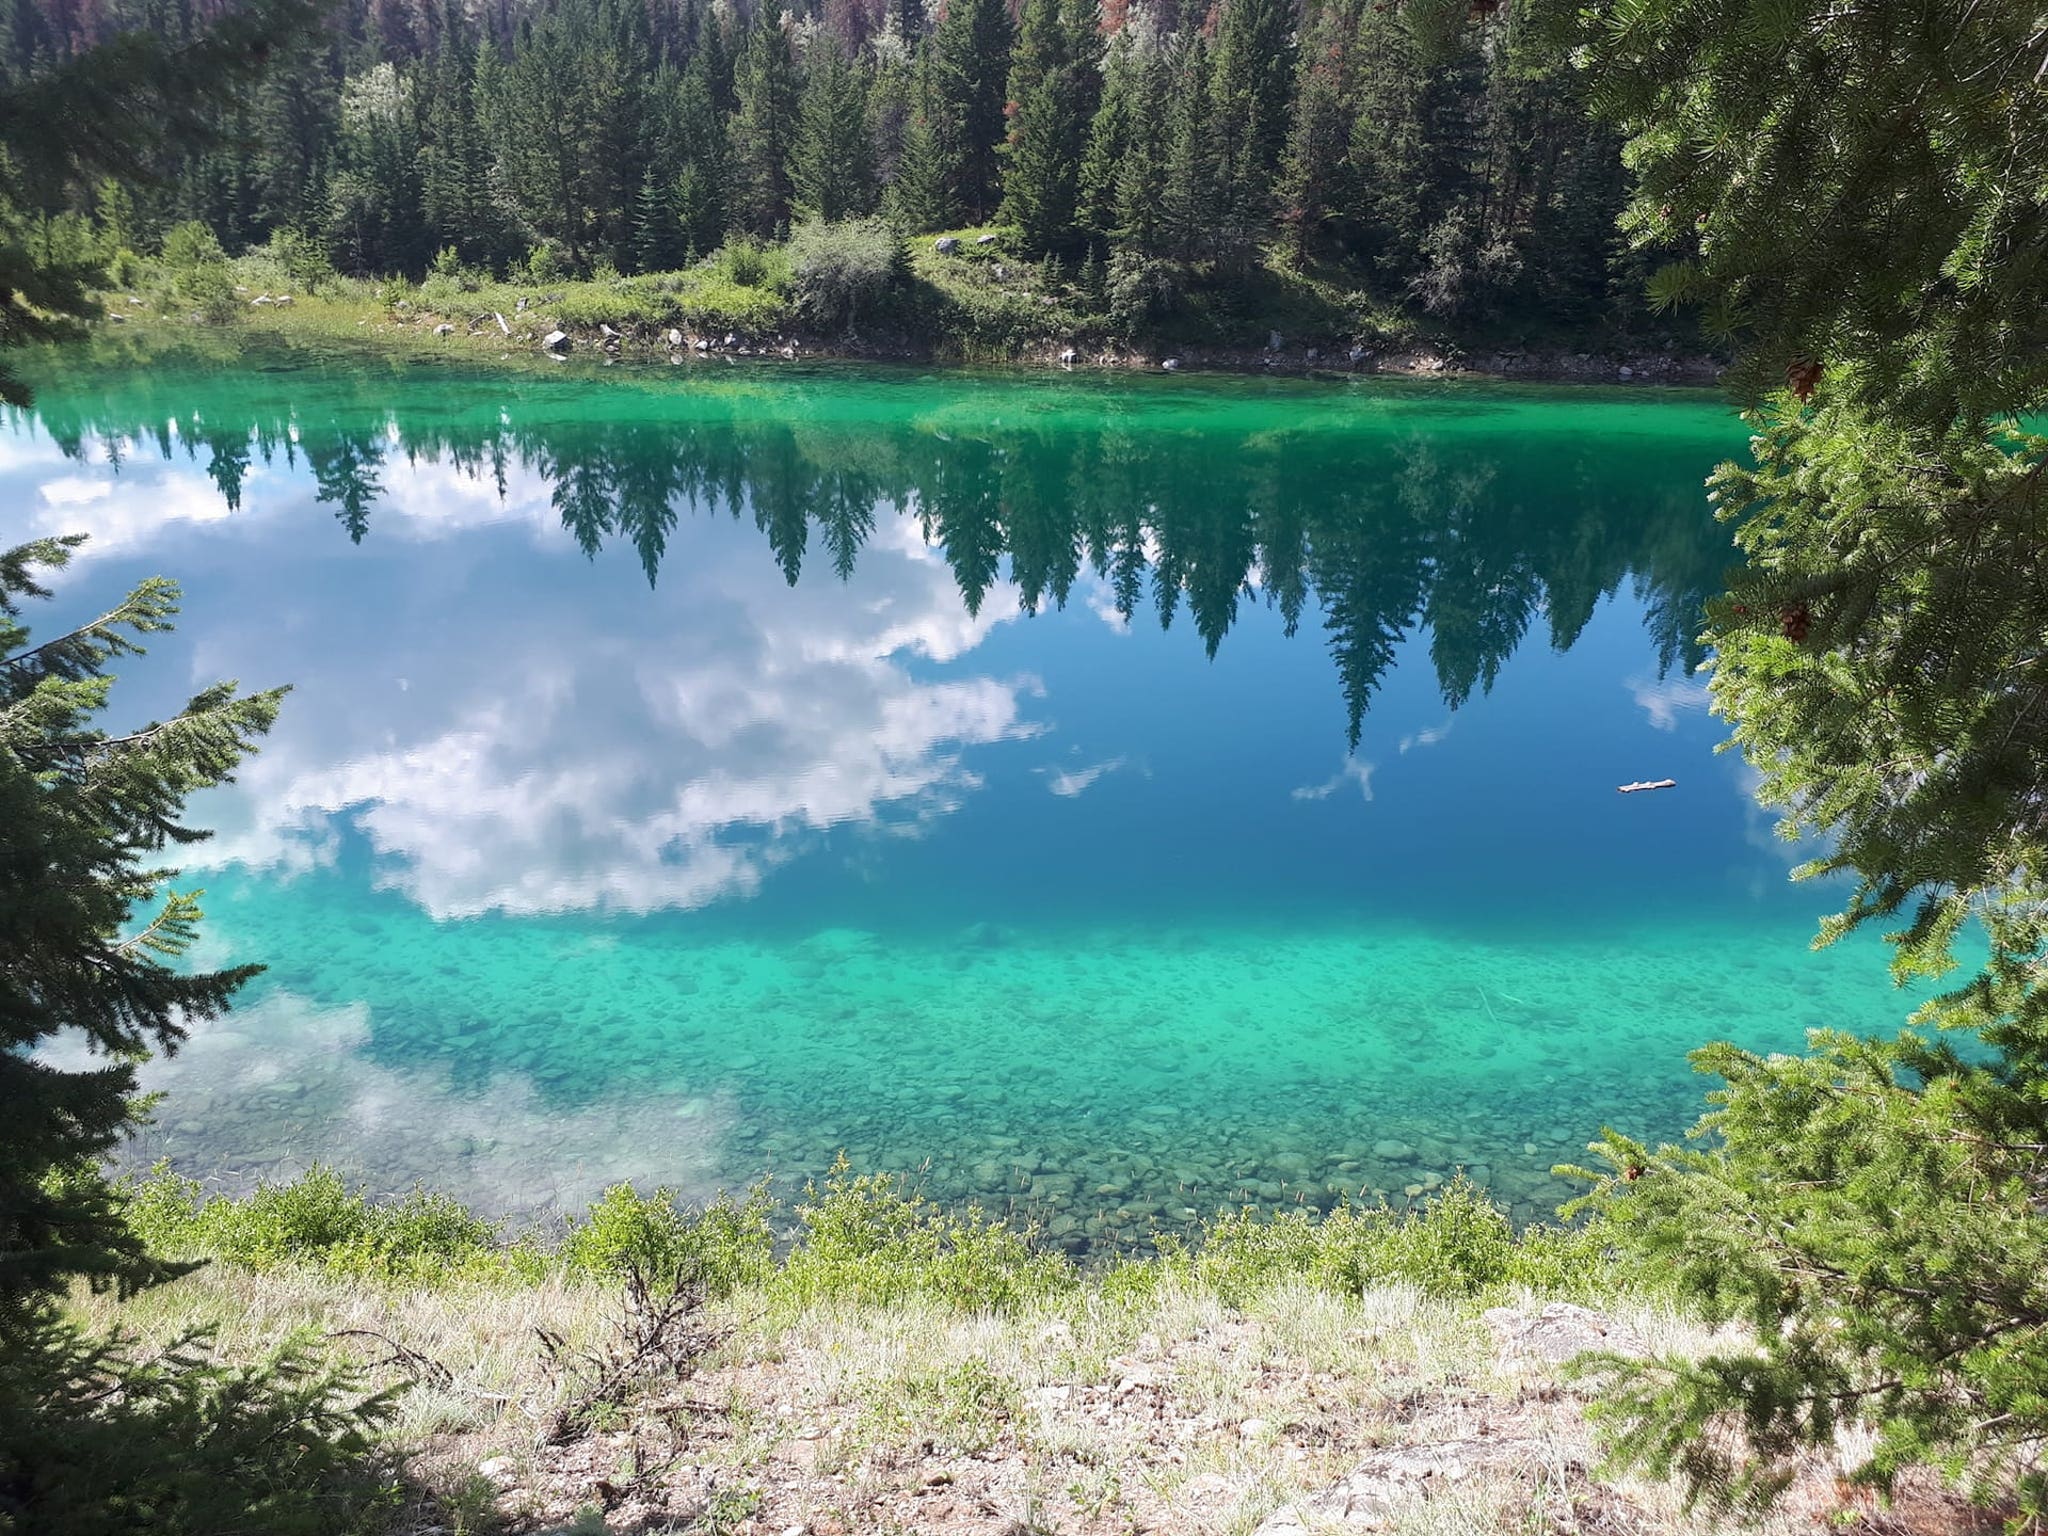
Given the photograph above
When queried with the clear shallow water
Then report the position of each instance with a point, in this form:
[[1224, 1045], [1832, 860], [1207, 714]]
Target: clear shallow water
[[693, 774]]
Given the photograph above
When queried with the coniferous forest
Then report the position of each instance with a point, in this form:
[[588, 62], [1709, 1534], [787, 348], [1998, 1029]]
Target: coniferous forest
[[1440, 156]]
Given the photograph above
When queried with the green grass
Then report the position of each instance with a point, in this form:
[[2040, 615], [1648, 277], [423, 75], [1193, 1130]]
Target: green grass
[[866, 1240], [978, 303]]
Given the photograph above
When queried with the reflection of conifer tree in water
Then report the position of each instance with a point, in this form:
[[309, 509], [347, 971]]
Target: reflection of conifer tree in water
[[345, 463], [1043, 506], [1383, 534], [228, 466], [1369, 565], [959, 500], [778, 490], [1484, 587]]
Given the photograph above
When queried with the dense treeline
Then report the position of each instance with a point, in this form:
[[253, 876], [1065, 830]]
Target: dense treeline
[[1439, 156]]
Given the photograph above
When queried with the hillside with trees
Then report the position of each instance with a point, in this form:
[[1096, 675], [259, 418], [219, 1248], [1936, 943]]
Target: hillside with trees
[[1436, 158]]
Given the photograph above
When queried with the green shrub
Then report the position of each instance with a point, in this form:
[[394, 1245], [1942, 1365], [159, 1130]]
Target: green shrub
[[317, 1219], [96, 1439], [743, 261], [865, 1239], [1459, 1243], [726, 1245], [839, 270], [543, 264], [1142, 291], [191, 244]]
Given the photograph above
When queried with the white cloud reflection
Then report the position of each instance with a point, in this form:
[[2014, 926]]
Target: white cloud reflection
[[1665, 700], [1356, 770], [511, 730]]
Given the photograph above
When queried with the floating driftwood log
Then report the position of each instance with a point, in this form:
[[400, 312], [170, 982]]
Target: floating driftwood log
[[1629, 789]]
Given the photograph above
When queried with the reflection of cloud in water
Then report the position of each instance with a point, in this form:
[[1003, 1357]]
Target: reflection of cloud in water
[[283, 1083], [1425, 738], [1355, 771], [1664, 700], [1067, 783], [650, 750]]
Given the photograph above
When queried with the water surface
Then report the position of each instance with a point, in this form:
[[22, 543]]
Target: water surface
[[1102, 798]]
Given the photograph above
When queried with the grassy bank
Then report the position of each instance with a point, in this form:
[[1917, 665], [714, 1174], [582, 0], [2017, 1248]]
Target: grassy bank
[[861, 1360], [962, 297]]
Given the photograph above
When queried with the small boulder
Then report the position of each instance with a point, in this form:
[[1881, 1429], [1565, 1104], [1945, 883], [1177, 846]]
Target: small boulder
[[444, 329], [1559, 1332], [1069, 357], [608, 333], [556, 341], [675, 337], [984, 239], [999, 272], [703, 343], [1171, 365], [1627, 372], [1387, 1150], [262, 299], [946, 245], [519, 308], [284, 298]]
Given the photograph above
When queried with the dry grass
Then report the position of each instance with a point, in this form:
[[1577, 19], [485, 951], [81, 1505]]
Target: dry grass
[[1171, 1413]]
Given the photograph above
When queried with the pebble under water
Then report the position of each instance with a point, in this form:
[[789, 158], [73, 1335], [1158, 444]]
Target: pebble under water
[[691, 776]]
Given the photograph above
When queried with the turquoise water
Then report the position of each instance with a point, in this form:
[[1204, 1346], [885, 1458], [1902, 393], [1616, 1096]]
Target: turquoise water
[[693, 774]]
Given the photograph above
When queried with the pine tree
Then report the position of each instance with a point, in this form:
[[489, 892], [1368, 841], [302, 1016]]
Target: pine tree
[[1875, 1210], [1249, 83], [1190, 202], [922, 195], [759, 138], [831, 161], [85, 814], [1053, 72], [970, 57]]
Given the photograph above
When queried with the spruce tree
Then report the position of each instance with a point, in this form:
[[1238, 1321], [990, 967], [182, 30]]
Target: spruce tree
[[86, 814], [657, 235], [831, 161], [1319, 135], [1053, 76], [1190, 204], [700, 150], [1249, 83], [1854, 199], [970, 56], [759, 139], [922, 195], [1109, 141]]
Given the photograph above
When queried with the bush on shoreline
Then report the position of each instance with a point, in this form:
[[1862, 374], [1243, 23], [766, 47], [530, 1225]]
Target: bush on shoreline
[[864, 1240]]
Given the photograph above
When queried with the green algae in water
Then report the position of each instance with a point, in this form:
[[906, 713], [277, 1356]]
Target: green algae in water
[[689, 779]]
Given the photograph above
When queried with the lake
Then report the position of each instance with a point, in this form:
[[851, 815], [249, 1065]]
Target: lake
[[1100, 799]]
